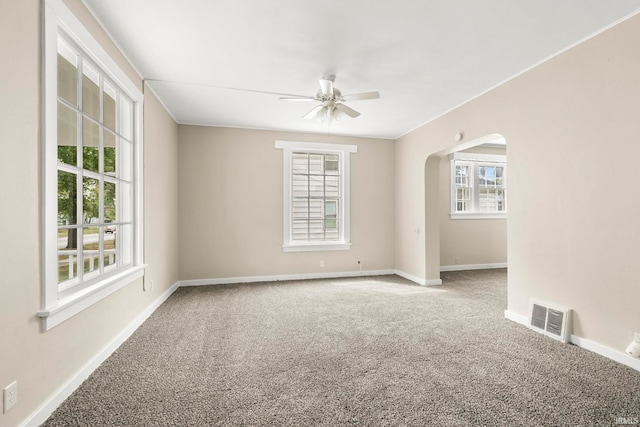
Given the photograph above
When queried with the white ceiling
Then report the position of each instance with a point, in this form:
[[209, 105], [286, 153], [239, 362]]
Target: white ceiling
[[425, 57]]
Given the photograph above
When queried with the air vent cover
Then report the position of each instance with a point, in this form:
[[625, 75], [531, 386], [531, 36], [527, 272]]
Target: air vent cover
[[549, 320]]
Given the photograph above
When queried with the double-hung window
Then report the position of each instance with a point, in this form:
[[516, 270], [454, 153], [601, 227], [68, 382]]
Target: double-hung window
[[478, 186], [92, 192], [316, 196]]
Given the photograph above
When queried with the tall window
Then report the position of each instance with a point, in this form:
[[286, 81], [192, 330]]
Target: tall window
[[478, 186], [316, 196], [92, 154]]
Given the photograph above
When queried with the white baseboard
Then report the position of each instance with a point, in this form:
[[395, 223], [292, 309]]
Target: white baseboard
[[333, 275], [473, 267], [276, 278], [609, 353], [515, 317], [47, 408], [419, 281]]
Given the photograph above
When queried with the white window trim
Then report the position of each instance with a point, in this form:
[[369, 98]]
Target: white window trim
[[57, 17], [344, 151], [476, 158]]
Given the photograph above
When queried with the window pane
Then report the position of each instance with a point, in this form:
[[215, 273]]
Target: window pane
[[109, 106], [300, 186], [67, 81], [300, 209], [67, 135], [489, 200], [90, 200], [330, 224], [499, 176], [67, 73], [489, 176], [67, 198], [300, 163], [90, 144], [462, 175], [316, 230], [332, 186], [316, 186], [109, 257], [300, 230], [331, 215], [331, 164], [109, 202], [316, 209], [67, 264], [463, 199], [316, 163], [109, 156], [90, 91], [91, 249], [331, 208]]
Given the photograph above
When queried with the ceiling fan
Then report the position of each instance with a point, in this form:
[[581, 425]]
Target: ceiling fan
[[331, 100]]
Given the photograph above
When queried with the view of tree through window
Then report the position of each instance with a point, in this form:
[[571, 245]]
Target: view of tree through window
[[94, 169]]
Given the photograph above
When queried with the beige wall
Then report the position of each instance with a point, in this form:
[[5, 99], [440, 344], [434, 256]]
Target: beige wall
[[468, 242], [572, 227], [231, 205], [43, 362]]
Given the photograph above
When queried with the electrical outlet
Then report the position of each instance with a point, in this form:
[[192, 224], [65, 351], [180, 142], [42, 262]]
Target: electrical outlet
[[321, 263], [147, 285], [10, 396]]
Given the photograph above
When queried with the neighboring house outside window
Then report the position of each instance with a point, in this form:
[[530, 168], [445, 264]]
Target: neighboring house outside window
[[478, 186], [316, 196], [92, 197]]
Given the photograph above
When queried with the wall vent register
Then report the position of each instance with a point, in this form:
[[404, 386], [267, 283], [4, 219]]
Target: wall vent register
[[549, 320]]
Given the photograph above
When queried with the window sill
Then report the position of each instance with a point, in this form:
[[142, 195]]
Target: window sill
[[74, 304], [316, 247], [478, 215]]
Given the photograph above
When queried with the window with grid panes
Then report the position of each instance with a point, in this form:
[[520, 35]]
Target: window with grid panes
[[478, 186], [92, 243], [316, 195]]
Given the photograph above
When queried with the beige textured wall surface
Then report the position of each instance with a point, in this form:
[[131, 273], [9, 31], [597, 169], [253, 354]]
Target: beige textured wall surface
[[469, 241], [231, 205], [160, 195], [42, 362], [572, 228]]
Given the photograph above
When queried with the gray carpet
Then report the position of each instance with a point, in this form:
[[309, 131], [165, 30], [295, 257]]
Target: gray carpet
[[365, 351]]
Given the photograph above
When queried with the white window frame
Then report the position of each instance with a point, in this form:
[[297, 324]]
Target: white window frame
[[56, 308], [476, 160], [343, 151]]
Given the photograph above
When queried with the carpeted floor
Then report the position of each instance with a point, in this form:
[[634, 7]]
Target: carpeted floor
[[365, 351]]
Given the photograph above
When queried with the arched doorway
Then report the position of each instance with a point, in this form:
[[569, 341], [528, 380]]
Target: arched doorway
[[467, 241]]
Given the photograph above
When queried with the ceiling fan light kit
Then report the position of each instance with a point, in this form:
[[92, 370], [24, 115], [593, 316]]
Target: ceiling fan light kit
[[332, 101]]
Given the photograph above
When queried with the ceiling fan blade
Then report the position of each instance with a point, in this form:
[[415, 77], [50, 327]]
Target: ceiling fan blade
[[361, 96], [297, 98], [326, 86], [347, 110], [312, 114]]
